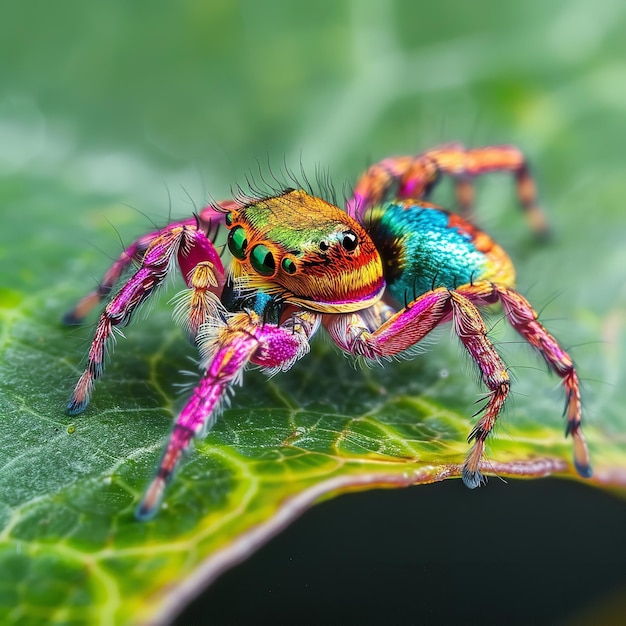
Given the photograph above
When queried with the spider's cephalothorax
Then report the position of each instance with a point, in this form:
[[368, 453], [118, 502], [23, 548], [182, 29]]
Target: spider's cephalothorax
[[294, 244], [379, 277]]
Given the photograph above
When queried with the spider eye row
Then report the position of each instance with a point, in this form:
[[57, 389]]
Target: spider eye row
[[262, 258]]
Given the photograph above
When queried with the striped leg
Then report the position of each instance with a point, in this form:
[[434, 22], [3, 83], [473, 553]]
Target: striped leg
[[409, 177], [352, 333], [227, 348], [209, 217], [178, 243], [133, 254], [154, 268], [523, 318], [470, 328], [407, 327]]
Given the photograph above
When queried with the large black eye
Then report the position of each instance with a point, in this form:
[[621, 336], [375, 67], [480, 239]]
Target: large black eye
[[262, 260], [238, 242], [350, 241]]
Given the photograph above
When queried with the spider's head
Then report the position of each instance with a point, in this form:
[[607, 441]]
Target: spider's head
[[307, 251]]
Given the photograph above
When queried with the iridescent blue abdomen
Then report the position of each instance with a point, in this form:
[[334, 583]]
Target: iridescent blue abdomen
[[424, 247]]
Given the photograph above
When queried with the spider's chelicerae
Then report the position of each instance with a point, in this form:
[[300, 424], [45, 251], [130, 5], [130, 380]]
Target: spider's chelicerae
[[378, 276]]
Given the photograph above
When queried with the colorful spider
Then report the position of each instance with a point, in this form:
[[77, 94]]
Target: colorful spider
[[379, 277]]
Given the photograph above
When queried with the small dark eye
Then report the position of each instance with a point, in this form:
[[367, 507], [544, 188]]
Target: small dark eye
[[262, 260], [288, 265], [350, 241], [238, 242], [228, 219], [324, 246]]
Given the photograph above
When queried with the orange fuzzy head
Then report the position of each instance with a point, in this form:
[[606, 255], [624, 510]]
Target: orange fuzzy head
[[306, 250]]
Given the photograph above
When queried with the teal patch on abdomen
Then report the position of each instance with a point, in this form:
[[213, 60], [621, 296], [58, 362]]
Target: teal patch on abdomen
[[421, 251]]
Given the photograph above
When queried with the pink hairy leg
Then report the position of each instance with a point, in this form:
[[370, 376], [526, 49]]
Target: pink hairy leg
[[228, 349], [523, 318], [133, 254], [415, 177], [470, 327], [209, 217], [400, 332], [184, 242], [204, 274], [409, 326]]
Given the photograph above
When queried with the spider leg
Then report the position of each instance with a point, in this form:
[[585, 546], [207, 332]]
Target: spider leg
[[413, 177], [134, 253], [204, 274], [410, 325], [209, 217], [156, 264], [227, 348], [213, 214], [465, 193], [523, 318], [470, 328]]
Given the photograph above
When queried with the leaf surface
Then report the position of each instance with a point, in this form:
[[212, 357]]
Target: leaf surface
[[71, 551]]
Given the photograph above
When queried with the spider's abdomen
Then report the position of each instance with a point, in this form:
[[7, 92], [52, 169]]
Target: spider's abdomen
[[424, 247]]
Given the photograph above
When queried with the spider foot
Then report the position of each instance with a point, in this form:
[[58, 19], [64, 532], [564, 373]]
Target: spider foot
[[80, 397], [76, 316], [151, 500], [76, 407], [472, 476], [582, 462], [473, 479], [179, 442], [584, 471], [581, 455], [71, 319]]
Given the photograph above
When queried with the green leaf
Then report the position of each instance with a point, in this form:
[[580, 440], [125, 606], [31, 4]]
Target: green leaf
[[70, 484], [70, 548]]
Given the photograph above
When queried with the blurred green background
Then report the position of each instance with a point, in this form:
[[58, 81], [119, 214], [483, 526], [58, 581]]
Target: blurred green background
[[115, 93], [164, 105]]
